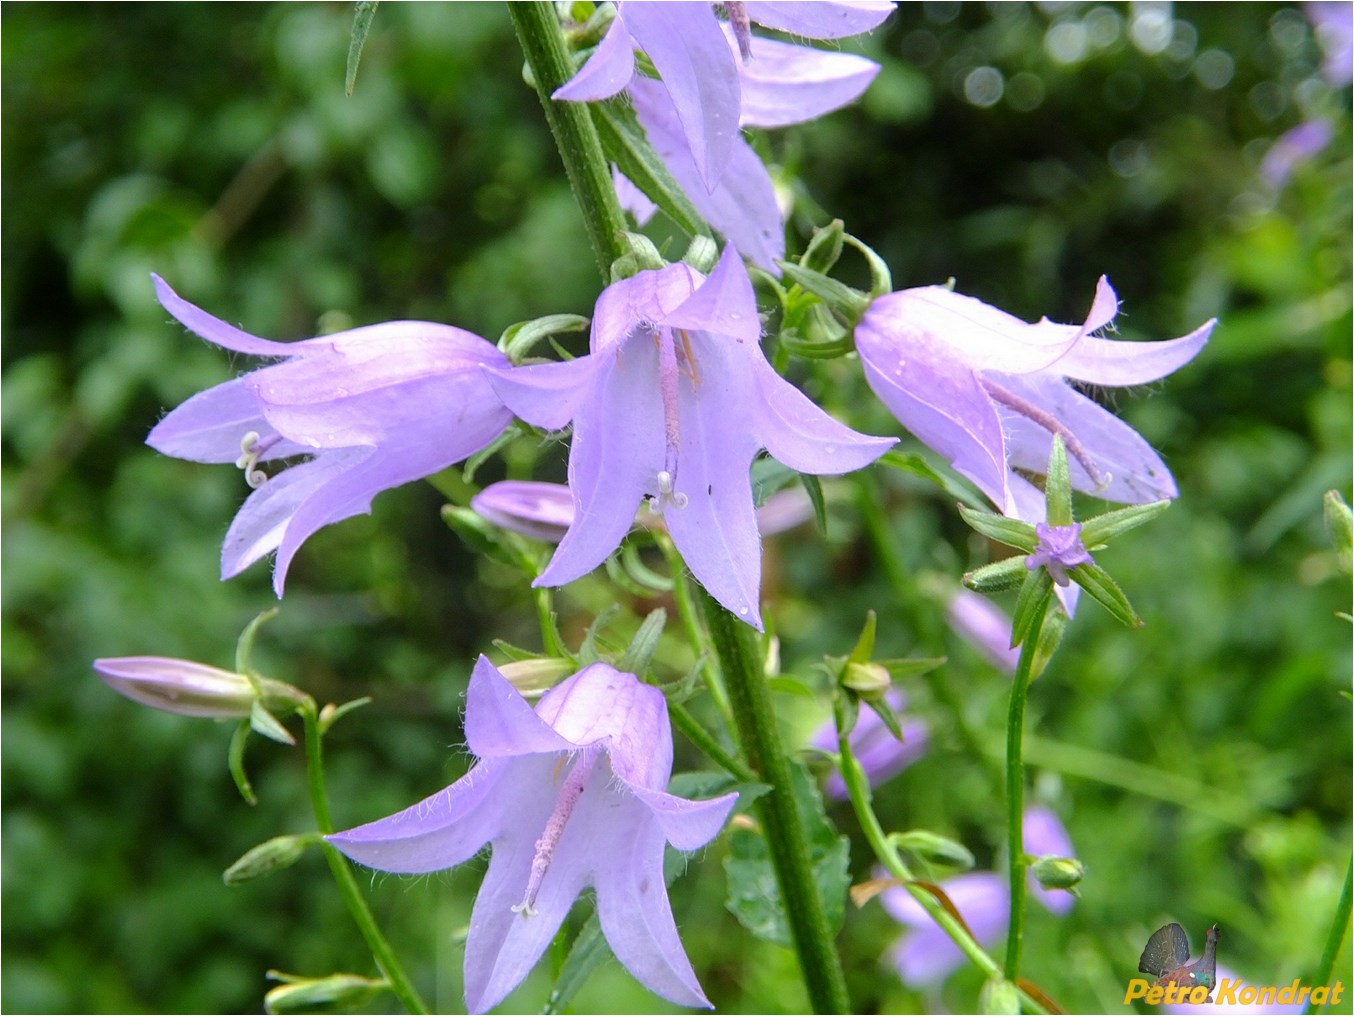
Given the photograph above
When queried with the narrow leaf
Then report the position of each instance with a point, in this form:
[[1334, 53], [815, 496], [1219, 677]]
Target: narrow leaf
[[1099, 530], [363, 15], [624, 143], [1096, 581], [1012, 532]]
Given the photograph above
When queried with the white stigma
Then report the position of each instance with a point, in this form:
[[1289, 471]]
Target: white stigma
[[251, 450]]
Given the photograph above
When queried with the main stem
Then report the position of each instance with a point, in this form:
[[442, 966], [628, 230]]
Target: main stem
[[1015, 794], [385, 957], [1335, 938], [538, 31], [735, 644]]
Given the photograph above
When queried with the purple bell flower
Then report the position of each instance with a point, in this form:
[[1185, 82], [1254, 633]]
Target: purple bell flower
[[988, 391], [368, 409], [879, 753], [671, 405], [569, 795], [1059, 548]]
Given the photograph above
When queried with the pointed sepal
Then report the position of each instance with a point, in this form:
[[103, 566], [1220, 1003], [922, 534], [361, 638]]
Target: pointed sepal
[[1097, 582]]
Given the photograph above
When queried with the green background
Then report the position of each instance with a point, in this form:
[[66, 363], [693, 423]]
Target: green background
[[1201, 764]]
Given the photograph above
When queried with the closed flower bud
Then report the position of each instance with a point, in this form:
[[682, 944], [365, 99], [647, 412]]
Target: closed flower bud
[[1058, 872], [273, 855], [179, 686], [999, 996], [533, 678], [335, 993], [868, 680]]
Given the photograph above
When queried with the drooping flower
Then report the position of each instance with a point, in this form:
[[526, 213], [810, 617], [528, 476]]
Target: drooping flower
[[671, 404], [879, 753], [179, 686], [716, 78], [979, 621], [989, 391], [1059, 548], [926, 955], [568, 796], [371, 408]]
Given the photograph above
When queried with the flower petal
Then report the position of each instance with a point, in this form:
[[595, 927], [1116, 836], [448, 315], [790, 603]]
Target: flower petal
[[500, 723], [724, 303], [209, 426], [699, 73], [547, 395], [215, 330], [687, 825], [815, 19], [606, 72], [1116, 362], [543, 511], [786, 84]]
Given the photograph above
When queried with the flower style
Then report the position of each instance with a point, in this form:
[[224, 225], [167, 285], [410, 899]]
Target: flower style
[[568, 796], [374, 408], [881, 755], [715, 78], [926, 955], [989, 391], [1058, 549], [672, 404]]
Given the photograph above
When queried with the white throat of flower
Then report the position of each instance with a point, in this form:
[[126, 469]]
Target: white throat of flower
[[565, 803], [669, 375], [251, 450], [1012, 401]]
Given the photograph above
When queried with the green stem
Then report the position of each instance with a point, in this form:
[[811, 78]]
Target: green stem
[[542, 40], [1015, 794], [705, 741], [343, 874], [686, 610], [1335, 938], [736, 646]]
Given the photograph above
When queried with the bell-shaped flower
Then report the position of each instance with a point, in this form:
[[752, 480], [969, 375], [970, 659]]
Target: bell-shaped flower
[[989, 391], [368, 409], [672, 404], [567, 796]]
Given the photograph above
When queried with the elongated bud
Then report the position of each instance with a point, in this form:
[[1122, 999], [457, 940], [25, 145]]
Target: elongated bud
[[543, 511], [273, 855], [179, 686], [335, 993], [1058, 872], [533, 678], [934, 848]]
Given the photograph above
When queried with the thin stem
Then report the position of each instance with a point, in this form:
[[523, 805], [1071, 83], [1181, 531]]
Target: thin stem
[[1015, 794], [385, 957], [542, 41], [686, 610], [1335, 938], [705, 741], [781, 821]]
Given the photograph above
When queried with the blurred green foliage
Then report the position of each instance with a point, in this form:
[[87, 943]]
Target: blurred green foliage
[[1202, 764]]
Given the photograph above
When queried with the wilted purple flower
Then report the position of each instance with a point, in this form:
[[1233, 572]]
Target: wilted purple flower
[[1058, 549], [179, 686], [926, 955], [1301, 144], [568, 796], [879, 753], [672, 404], [373, 408], [984, 626], [717, 78], [989, 391], [545, 511]]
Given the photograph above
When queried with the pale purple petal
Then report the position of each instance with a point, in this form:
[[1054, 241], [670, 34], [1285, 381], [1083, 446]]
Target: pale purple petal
[[499, 722], [636, 917], [815, 19], [1294, 147], [925, 954], [546, 395], [210, 425], [687, 825], [606, 72], [1118, 363], [699, 74], [647, 297], [798, 433], [215, 330], [543, 511], [260, 524], [724, 303], [631, 198], [178, 686], [743, 205], [982, 624], [881, 755], [785, 84], [1334, 24]]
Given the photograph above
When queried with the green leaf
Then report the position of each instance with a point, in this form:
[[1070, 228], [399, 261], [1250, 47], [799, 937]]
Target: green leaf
[[1096, 581], [588, 951], [521, 338], [625, 144], [1012, 532], [641, 649], [814, 488], [238, 740], [1340, 525], [1099, 530], [916, 464], [754, 896], [789, 686], [363, 15], [934, 848]]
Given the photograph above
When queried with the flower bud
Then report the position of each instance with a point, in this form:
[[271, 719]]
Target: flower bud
[[179, 686], [543, 511], [335, 993], [868, 680], [1058, 872], [999, 996], [273, 855], [533, 678]]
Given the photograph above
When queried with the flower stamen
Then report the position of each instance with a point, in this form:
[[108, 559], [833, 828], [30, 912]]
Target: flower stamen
[[1050, 423], [251, 450], [554, 829]]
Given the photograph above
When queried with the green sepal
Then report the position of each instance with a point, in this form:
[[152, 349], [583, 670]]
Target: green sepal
[[1053, 872], [864, 647], [639, 653], [483, 537], [235, 758], [363, 15], [1012, 532], [1050, 635], [335, 993], [640, 255], [624, 143], [331, 713], [1100, 529], [1058, 486], [1031, 604], [754, 895], [828, 343], [789, 686], [912, 666], [814, 488], [629, 571], [934, 848], [702, 254], [1340, 525], [850, 304], [518, 340], [510, 434], [997, 577], [824, 249], [244, 646], [265, 723], [270, 856], [881, 281], [1097, 582]]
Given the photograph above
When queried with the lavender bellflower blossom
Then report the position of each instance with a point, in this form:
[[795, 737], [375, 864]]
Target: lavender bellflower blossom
[[671, 405], [568, 796], [369, 409], [1058, 549], [179, 686], [988, 391], [879, 753]]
